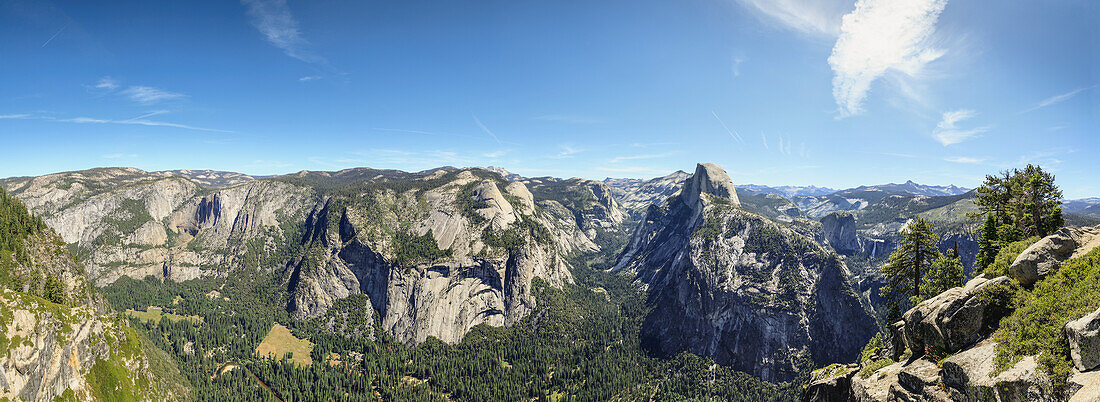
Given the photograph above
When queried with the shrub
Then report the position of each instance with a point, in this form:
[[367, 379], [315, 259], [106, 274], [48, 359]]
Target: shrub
[[1035, 328], [874, 366], [1006, 255]]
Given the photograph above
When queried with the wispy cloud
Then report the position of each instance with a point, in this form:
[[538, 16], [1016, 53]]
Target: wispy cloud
[[881, 35], [735, 66], [948, 131], [106, 83], [765, 139], [733, 134], [309, 78], [149, 95], [274, 20], [487, 130], [567, 152], [635, 170], [964, 159], [14, 116], [618, 159], [1056, 99], [816, 17], [141, 120], [495, 154]]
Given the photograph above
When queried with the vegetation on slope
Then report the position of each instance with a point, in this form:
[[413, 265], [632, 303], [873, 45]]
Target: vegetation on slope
[[1035, 328]]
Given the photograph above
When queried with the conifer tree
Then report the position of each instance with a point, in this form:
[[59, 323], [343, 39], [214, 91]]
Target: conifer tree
[[910, 262]]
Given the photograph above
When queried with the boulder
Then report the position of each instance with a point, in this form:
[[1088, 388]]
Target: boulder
[[897, 340], [1084, 341], [1084, 387], [831, 384], [950, 321], [1047, 255]]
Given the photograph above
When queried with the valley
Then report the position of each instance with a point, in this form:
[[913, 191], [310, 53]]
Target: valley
[[466, 284]]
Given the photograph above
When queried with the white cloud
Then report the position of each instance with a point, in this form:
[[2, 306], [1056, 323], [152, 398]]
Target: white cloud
[[149, 95], [1056, 99], [309, 78], [881, 35], [14, 116], [948, 131], [274, 20], [141, 122], [964, 159], [818, 17], [106, 83], [567, 152]]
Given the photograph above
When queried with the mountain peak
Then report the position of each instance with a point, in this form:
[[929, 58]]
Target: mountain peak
[[711, 179]]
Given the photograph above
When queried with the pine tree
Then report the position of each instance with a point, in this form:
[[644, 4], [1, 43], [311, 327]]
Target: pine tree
[[1026, 200], [54, 290], [945, 273], [988, 243], [910, 262]]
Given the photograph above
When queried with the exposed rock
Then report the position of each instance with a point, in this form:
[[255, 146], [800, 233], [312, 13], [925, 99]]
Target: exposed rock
[[637, 195], [1047, 255], [831, 384], [840, 232], [952, 320], [1084, 341], [710, 179], [921, 377], [879, 386], [477, 283], [1084, 387], [730, 284]]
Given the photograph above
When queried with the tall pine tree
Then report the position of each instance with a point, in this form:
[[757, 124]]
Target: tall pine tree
[[910, 262]]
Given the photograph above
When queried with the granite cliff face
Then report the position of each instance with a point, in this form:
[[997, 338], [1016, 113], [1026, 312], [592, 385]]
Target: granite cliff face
[[733, 285], [637, 195], [58, 337], [437, 252], [124, 221], [449, 253]]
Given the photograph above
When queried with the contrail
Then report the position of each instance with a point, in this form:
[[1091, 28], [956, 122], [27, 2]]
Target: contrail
[[487, 131], [731, 132], [55, 34]]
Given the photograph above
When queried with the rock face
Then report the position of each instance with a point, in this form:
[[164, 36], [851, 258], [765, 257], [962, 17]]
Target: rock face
[[1084, 341], [483, 278], [840, 232], [730, 284], [329, 235], [593, 207], [56, 347], [1047, 255], [129, 222], [637, 195], [709, 179], [953, 319]]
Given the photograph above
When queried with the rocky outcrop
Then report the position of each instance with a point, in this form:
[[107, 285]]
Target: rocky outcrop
[[830, 384], [953, 319], [592, 205], [1047, 255], [840, 232], [733, 285], [709, 179], [1084, 341]]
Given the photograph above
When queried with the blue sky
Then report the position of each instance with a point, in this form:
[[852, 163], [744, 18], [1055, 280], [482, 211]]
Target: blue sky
[[780, 92]]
